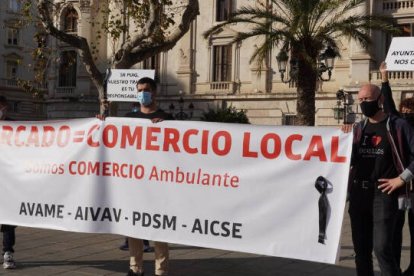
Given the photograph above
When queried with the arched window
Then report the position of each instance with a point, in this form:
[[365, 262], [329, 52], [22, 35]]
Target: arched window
[[12, 36], [70, 21]]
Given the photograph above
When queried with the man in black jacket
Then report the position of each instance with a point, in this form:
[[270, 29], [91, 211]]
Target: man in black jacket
[[382, 162], [9, 236]]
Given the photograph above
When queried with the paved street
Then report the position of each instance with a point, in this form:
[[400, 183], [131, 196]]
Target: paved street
[[46, 252]]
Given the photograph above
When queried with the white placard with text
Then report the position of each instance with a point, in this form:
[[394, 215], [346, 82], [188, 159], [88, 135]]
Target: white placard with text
[[121, 86], [400, 56]]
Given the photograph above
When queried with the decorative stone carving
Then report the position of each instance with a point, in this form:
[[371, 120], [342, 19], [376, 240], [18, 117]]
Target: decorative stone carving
[[85, 5]]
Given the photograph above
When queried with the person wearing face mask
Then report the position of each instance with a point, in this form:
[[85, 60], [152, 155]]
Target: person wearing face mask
[[406, 111], [9, 236], [382, 162], [148, 109]]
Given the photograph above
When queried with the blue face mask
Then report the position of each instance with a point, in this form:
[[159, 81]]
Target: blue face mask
[[145, 98]]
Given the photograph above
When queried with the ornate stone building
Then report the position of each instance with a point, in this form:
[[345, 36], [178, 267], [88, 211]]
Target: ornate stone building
[[16, 63], [211, 73]]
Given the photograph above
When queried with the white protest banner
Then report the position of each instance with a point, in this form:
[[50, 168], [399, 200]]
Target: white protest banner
[[228, 186], [121, 86], [400, 56]]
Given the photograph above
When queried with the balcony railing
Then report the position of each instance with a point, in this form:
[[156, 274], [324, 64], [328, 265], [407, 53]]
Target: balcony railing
[[226, 86], [396, 77], [65, 91], [15, 83], [9, 82], [397, 5]]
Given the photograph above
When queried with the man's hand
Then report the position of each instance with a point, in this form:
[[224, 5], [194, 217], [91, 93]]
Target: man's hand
[[383, 70], [101, 117], [347, 128], [156, 120], [390, 185]]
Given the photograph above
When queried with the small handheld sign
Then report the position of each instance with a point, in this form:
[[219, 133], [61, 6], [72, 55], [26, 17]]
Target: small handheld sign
[[400, 56], [121, 85]]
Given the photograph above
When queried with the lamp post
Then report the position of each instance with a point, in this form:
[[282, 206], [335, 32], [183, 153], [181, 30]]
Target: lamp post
[[340, 111], [181, 114], [325, 62], [345, 100], [282, 59]]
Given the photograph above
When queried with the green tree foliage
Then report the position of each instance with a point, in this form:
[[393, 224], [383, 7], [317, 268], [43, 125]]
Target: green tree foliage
[[303, 28], [226, 115]]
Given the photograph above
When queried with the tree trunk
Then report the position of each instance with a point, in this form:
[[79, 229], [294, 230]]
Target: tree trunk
[[140, 46], [306, 87]]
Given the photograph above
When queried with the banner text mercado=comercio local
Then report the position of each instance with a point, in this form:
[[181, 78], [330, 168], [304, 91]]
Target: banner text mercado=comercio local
[[228, 186]]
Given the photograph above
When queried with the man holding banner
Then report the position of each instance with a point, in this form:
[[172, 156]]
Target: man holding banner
[[147, 89], [383, 154]]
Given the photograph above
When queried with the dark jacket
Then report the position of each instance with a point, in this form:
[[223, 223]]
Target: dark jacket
[[399, 132], [158, 114], [389, 104]]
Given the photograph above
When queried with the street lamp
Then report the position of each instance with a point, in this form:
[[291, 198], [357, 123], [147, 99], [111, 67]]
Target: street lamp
[[338, 110], [345, 100], [282, 60], [325, 62], [181, 114]]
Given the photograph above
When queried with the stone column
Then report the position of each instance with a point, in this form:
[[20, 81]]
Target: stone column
[[185, 69], [260, 76], [83, 83]]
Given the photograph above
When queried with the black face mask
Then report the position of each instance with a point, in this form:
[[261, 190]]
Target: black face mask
[[409, 117], [369, 109]]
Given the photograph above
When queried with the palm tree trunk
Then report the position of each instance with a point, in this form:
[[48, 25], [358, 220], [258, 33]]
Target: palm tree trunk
[[306, 86]]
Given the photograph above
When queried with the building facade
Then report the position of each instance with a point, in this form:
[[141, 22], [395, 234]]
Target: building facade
[[213, 73], [17, 42]]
